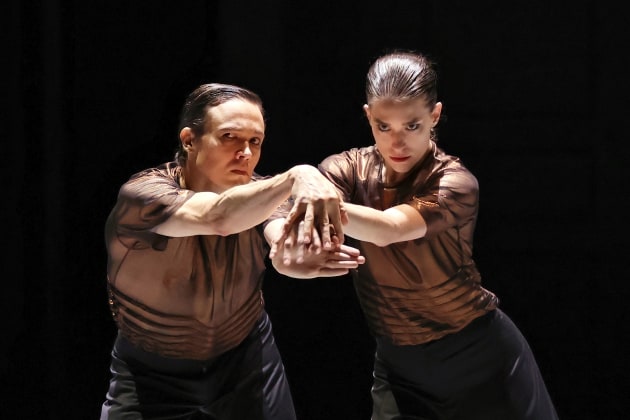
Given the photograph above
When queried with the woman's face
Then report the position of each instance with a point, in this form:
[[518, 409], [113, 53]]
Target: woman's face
[[402, 131]]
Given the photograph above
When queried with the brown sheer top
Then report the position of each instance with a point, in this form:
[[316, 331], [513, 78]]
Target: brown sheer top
[[191, 297], [416, 291]]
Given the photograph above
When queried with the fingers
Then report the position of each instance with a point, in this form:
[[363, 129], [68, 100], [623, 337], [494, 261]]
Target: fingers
[[351, 261], [274, 245], [336, 224], [294, 249], [348, 250], [316, 243], [326, 234], [288, 245], [334, 267], [301, 245], [309, 217], [274, 249], [320, 206]]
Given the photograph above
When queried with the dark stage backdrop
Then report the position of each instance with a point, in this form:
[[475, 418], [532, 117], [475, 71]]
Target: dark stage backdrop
[[533, 94]]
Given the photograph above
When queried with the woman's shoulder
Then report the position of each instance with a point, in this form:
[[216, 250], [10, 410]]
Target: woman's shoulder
[[356, 155]]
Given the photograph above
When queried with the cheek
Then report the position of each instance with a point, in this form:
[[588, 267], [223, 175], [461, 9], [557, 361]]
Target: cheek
[[210, 159], [201, 156], [380, 139], [253, 161]]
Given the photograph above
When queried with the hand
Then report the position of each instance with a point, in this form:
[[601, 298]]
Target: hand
[[318, 204], [300, 260], [293, 249]]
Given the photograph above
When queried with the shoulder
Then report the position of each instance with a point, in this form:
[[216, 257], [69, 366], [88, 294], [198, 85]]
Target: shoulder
[[153, 180], [452, 168], [166, 170], [357, 156]]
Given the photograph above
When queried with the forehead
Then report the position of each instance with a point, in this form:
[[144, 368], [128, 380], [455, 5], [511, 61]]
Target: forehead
[[236, 114], [386, 109]]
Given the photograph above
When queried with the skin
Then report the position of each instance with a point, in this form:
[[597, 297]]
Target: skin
[[229, 149], [402, 133], [219, 167]]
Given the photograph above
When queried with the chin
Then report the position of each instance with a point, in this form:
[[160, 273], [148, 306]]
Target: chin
[[400, 167], [242, 179]]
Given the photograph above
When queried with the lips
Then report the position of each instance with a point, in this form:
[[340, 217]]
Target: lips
[[399, 158], [239, 172]]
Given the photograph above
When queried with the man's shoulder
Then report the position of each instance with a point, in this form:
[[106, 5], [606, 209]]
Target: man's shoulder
[[165, 170]]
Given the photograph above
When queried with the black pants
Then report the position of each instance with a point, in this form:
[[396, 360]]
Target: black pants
[[485, 372], [247, 382]]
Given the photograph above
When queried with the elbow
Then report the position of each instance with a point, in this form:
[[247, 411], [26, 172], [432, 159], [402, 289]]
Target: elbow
[[381, 239], [387, 236], [391, 234]]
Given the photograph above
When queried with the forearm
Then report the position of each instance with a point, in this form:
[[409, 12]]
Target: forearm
[[396, 224], [248, 205], [242, 207], [235, 210]]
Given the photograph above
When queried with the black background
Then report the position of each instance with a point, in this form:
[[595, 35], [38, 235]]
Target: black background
[[534, 93]]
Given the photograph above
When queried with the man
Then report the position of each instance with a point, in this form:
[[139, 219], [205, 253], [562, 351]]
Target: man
[[186, 259]]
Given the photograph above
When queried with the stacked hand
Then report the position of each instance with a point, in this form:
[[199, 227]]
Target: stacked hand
[[311, 240], [303, 260], [317, 217]]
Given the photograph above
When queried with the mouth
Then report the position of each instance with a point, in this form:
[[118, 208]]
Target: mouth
[[239, 172], [399, 158]]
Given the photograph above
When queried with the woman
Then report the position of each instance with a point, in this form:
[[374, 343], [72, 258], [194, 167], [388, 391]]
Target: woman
[[444, 348]]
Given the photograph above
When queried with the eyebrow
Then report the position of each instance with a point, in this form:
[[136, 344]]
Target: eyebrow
[[415, 120], [239, 128]]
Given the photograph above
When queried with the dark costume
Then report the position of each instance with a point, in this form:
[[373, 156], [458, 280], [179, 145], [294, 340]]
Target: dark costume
[[444, 349], [193, 333]]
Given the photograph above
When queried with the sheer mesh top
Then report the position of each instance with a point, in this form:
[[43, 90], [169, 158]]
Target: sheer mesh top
[[191, 297], [416, 291]]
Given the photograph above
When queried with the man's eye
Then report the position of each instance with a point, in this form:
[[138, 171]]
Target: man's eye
[[255, 141]]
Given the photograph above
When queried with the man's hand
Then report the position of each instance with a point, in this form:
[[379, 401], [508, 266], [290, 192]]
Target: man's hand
[[317, 204]]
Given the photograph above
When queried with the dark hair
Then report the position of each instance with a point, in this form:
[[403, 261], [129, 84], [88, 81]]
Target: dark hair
[[204, 97], [401, 76]]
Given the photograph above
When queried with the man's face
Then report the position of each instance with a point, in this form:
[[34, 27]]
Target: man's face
[[229, 149], [402, 132]]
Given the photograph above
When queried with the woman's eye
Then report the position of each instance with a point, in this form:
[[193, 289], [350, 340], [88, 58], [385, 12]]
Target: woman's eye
[[255, 141], [382, 127], [412, 127]]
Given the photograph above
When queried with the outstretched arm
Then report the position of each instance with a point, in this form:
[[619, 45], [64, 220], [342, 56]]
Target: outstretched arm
[[245, 206], [396, 224]]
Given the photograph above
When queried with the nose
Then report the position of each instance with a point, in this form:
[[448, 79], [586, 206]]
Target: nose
[[245, 152], [398, 139]]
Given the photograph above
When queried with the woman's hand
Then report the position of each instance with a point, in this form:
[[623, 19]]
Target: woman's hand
[[296, 258]]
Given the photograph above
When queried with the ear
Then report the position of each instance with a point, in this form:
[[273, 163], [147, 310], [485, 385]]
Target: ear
[[435, 114], [186, 136], [366, 109]]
